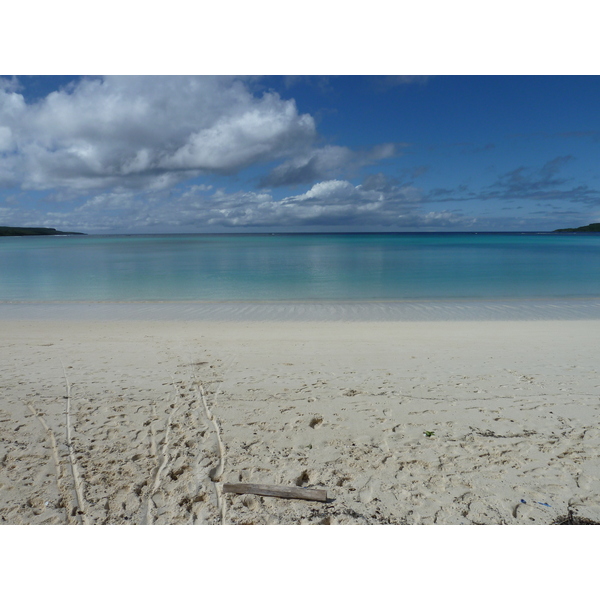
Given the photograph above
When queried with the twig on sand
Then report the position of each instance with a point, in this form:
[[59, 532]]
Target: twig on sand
[[216, 472], [165, 458], [55, 456], [280, 491], [79, 509]]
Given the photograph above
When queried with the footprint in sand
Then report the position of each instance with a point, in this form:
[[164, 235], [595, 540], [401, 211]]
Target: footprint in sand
[[365, 495], [303, 479], [316, 422]]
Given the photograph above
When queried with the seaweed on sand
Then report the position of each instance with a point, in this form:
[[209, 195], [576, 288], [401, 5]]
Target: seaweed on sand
[[571, 519]]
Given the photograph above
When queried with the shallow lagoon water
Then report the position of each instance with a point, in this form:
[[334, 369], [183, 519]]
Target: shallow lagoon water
[[300, 268]]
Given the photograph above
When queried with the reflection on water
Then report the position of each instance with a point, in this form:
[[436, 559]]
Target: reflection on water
[[300, 267]]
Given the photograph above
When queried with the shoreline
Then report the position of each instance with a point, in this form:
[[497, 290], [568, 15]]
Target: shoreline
[[340, 311], [143, 421]]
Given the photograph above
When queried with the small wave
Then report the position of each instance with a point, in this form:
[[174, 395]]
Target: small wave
[[305, 311]]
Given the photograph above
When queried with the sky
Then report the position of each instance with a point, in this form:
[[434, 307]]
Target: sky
[[169, 154]]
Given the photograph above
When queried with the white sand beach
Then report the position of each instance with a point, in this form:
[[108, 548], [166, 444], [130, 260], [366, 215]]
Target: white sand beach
[[142, 422]]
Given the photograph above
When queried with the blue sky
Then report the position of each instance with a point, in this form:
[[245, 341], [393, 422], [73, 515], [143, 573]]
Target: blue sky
[[300, 153]]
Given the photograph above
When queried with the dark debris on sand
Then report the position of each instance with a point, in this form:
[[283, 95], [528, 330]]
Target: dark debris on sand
[[572, 519]]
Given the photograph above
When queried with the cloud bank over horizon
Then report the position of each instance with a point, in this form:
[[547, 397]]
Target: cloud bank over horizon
[[217, 153]]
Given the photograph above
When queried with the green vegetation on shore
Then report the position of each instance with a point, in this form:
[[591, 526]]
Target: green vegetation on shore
[[35, 231], [591, 228]]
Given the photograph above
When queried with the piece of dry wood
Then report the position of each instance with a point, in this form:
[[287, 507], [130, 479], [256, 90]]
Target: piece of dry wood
[[280, 491]]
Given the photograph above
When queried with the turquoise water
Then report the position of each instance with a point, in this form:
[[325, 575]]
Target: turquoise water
[[347, 267]]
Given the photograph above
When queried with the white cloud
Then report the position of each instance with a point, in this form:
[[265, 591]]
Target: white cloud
[[261, 132], [327, 204], [133, 131], [6, 139], [329, 190], [110, 150], [333, 203]]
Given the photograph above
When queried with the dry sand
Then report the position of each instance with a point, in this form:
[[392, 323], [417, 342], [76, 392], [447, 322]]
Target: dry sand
[[123, 422]]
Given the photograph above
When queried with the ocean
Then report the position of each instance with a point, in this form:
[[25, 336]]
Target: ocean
[[302, 268]]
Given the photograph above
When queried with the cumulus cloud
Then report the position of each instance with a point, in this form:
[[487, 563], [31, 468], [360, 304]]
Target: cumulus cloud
[[151, 133], [6, 139], [379, 203], [333, 203], [9, 84], [143, 131]]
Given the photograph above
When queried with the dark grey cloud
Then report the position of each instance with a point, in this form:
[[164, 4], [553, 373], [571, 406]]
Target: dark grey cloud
[[460, 147], [380, 183], [523, 184], [325, 163], [323, 83], [544, 183], [524, 181], [387, 82], [458, 194], [593, 135], [590, 134], [484, 148], [419, 171]]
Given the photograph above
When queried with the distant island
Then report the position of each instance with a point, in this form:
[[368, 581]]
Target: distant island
[[591, 228], [35, 231]]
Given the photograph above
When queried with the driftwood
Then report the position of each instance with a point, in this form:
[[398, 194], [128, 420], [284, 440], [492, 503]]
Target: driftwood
[[280, 491]]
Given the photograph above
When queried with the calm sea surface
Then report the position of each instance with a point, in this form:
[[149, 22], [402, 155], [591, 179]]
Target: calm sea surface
[[313, 267]]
